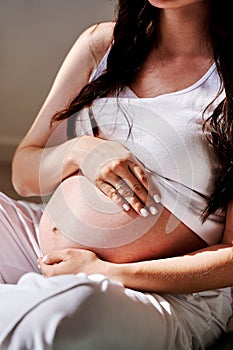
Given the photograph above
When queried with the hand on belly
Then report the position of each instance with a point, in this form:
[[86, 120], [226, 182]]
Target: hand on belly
[[78, 215]]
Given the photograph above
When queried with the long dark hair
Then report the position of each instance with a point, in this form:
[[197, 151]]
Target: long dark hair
[[134, 33]]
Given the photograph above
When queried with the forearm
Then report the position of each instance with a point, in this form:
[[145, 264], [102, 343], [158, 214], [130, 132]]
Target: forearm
[[37, 171], [209, 268]]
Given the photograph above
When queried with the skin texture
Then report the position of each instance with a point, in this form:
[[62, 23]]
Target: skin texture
[[42, 161], [147, 236]]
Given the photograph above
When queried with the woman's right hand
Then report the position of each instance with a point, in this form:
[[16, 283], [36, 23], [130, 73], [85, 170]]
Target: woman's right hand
[[118, 174]]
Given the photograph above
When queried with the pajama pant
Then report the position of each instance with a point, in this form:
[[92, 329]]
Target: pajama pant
[[83, 312]]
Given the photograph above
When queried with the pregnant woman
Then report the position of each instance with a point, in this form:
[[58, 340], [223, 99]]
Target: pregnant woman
[[80, 215], [134, 142]]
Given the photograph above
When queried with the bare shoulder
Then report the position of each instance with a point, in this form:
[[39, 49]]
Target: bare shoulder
[[97, 39]]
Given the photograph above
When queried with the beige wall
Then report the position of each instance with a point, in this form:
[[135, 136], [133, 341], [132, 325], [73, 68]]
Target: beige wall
[[35, 36]]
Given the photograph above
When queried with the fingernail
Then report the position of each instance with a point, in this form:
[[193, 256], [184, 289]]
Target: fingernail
[[126, 207], [153, 210], [44, 259], [38, 266], [157, 198], [144, 212]]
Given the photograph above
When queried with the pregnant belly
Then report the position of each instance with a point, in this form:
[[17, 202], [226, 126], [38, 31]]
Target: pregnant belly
[[78, 215]]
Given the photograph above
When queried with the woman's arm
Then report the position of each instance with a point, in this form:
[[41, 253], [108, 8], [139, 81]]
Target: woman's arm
[[35, 159], [45, 157], [206, 269]]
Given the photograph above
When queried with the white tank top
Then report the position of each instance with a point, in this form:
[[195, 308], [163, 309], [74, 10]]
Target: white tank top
[[167, 138]]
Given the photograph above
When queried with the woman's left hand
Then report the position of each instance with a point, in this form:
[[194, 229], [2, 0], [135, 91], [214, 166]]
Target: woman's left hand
[[71, 261]]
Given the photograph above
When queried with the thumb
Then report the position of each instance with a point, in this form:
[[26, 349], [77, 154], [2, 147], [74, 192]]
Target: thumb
[[52, 258]]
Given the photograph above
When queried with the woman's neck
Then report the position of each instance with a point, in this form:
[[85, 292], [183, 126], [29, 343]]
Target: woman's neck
[[183, 31]]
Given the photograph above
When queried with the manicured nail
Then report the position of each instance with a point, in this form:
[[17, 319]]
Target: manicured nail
[[44, 259], [153, 210], [144, 212], [157, 198], [126, 207]]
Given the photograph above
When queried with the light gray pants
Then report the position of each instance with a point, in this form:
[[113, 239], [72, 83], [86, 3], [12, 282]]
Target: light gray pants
[[91, 312], [19, 247]]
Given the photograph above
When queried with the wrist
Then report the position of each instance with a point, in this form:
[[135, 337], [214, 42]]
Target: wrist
[[80, 148], [114, 272]]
